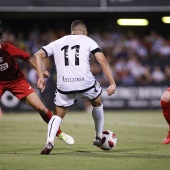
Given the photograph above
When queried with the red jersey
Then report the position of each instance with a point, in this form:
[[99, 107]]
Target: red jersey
[[9, 68]]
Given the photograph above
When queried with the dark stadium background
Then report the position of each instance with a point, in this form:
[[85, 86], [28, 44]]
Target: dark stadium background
[[101, 15]]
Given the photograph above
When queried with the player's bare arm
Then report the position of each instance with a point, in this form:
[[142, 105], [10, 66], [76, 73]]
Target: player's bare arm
[[45, 72], [107, 71], [37, 62]]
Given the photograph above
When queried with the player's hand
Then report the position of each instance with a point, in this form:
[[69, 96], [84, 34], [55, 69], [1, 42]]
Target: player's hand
[[111, 89], [41, 84], [46, 74]]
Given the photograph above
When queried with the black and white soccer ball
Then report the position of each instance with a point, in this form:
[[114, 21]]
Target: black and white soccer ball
[[109, 140]]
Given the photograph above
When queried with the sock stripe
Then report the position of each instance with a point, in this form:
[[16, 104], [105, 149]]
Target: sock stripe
[[51, 127]]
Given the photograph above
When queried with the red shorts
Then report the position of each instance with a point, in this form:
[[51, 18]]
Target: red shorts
[[19, 88]]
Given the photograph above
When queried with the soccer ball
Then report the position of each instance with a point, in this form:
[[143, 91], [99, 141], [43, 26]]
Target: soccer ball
[[109, 140]]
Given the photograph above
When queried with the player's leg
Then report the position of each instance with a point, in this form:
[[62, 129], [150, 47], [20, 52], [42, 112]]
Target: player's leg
[[53, 126], [165, 104], [98, 117], [62, 103], [34, 101], [93, 95], [0, 112], [2, 90]]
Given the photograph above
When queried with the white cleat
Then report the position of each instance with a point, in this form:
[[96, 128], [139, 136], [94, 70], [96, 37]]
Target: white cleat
[[66, 138]]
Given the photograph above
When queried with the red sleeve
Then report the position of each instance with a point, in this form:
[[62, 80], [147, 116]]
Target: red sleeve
[[16, 52]]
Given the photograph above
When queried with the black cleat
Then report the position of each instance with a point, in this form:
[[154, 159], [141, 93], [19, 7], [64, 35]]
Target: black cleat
[[48, 148], [97, 141]]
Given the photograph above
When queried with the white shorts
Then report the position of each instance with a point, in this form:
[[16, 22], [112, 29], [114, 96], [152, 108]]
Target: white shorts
[[67, 100]]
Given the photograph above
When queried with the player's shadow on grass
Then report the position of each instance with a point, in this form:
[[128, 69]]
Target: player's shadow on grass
[[118, 153]]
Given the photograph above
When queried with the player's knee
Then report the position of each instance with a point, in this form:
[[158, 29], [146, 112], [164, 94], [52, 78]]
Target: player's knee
[[165, 100], [98, 106], [96, 103], [165, 96]]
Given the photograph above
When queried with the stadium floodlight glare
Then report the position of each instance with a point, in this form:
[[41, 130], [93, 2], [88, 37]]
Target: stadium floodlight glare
[[132, 22], [166, 19]]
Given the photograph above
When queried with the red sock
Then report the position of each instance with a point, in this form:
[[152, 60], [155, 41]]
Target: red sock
[[166, 111], [46, 116], [49, 115], [59, 131]]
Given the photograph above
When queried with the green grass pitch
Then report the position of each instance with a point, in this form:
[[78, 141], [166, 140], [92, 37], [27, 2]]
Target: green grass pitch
[[139, 145]]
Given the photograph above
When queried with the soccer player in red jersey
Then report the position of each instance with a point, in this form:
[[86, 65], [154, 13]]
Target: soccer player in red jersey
[[13, 80], [165, 104]]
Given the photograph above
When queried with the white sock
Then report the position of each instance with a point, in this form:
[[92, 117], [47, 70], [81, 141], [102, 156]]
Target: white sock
[[98, 116], [53, 127]]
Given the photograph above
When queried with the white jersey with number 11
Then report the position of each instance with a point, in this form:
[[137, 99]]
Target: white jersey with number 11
[[72, 59]]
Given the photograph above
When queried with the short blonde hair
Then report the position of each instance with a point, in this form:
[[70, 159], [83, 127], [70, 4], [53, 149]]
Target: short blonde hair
[[77, 23]]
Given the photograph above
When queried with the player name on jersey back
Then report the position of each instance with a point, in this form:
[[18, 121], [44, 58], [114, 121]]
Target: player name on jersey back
[[73, 79]]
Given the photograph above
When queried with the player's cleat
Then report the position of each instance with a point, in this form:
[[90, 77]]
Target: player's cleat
[[167, 139], [97, 141], [66, 138], [48, 148]]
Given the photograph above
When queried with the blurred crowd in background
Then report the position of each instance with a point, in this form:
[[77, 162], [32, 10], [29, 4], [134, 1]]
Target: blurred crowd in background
[[135, 60]]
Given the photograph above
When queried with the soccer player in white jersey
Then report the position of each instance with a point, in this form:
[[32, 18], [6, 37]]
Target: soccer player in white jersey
[[74, 78]]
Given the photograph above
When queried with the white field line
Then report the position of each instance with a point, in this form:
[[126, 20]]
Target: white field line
[[119, 123]]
